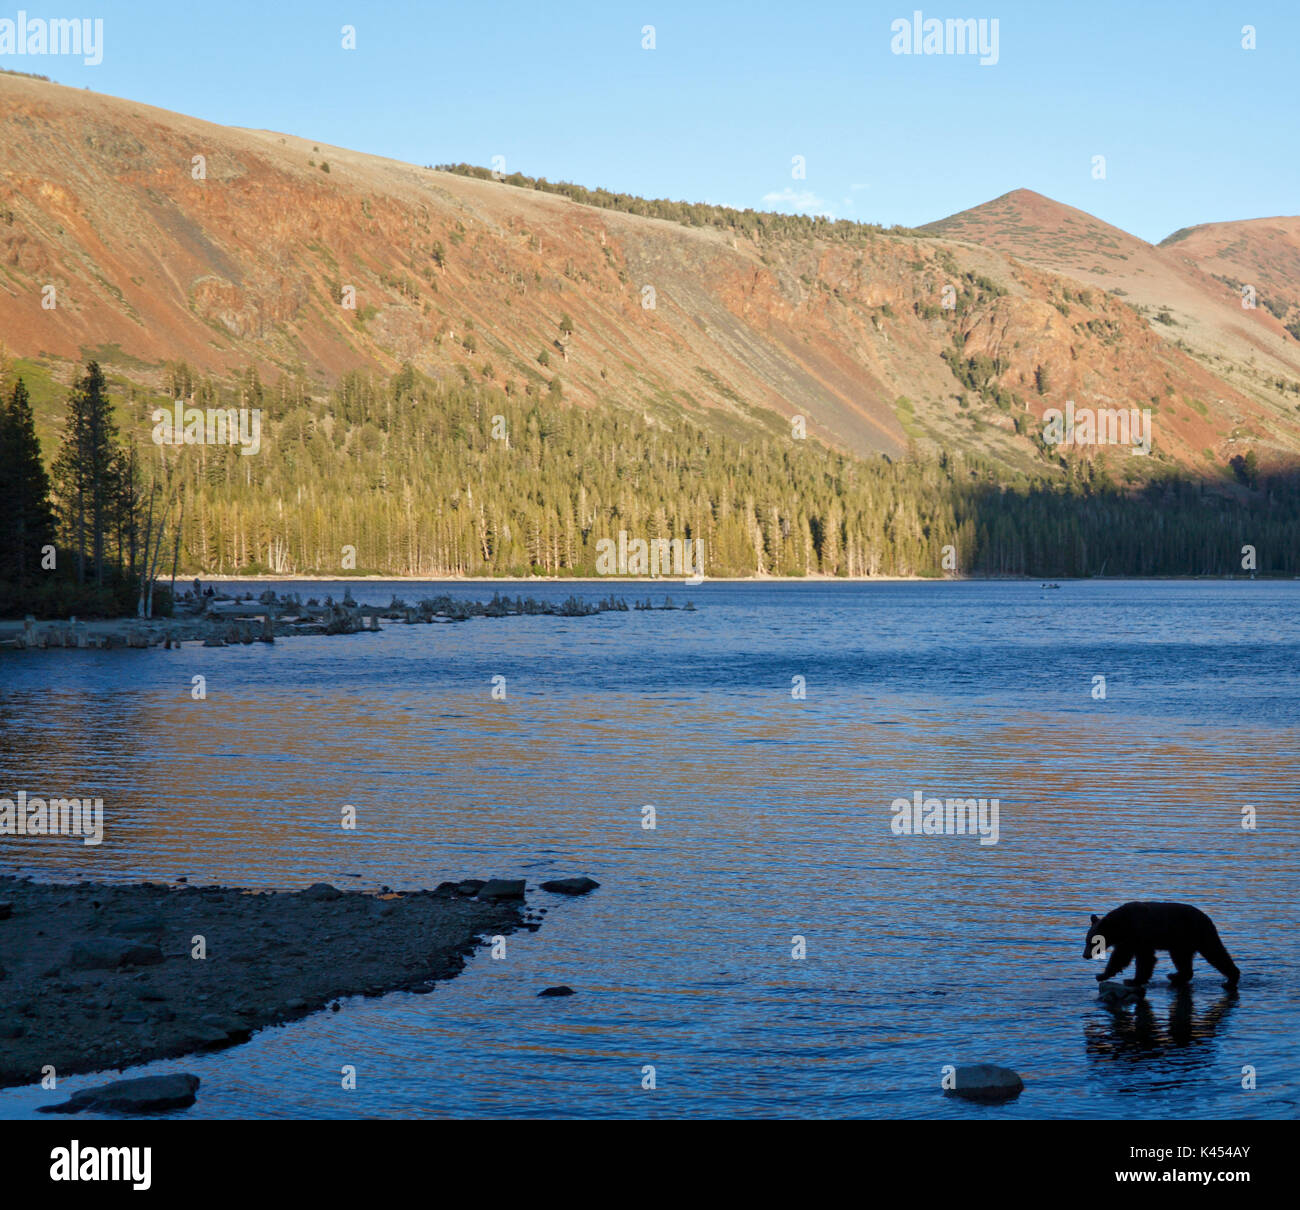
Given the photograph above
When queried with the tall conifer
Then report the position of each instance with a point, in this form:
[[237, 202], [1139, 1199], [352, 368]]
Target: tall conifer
[[26, 516]]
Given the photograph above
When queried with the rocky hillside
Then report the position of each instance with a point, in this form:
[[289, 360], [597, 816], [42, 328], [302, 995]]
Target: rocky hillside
[[141, 236], [1189, 287], [1263, 253]]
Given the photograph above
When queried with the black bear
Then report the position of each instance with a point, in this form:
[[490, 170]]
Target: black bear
[[1139, 929]]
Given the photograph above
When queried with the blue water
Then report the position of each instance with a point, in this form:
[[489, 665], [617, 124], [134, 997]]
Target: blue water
[[772, 823]]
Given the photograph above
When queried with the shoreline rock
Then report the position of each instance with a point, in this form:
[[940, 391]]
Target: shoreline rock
[[80, 996], [502, 888], [223, 621], [110, 953]]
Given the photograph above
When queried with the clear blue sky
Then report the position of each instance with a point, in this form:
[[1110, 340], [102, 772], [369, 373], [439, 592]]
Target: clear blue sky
[[1194, 128]]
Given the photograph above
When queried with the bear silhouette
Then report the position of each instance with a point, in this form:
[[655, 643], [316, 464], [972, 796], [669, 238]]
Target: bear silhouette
[[1138, 929]]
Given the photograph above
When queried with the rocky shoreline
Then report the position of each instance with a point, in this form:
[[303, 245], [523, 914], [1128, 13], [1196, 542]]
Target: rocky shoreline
[[221, 621], [97, 977]]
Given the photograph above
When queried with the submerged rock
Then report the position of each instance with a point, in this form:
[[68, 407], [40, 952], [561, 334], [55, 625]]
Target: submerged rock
[[986, 1082], [562, 990], [570, 886], [147, 1094], [109, 953]]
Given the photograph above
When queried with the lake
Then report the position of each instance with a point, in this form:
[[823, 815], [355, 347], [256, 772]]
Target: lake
[[773, 822]]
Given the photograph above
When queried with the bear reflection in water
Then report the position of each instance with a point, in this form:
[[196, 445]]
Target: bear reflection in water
[[1135, 1032]]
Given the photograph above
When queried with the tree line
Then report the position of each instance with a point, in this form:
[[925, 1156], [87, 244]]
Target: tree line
[[415, 477], [753, 224]]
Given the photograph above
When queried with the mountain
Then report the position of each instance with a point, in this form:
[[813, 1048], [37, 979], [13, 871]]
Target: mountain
[[1189, 284], [168, 238], [1034, 228], [1263, 252]]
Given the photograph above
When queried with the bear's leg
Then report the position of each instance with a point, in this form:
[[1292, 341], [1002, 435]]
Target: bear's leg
[[1119, 959], [1146, 963], [1213, 952], [1182, 960]]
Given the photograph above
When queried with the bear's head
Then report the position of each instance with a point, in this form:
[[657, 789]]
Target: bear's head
[[1089, 942]]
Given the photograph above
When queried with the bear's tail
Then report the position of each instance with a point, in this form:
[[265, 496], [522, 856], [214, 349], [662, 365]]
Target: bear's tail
[[1213, 951]]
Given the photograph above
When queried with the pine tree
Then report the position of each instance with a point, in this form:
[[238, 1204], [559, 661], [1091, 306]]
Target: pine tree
[[27, 517], [85, 470]]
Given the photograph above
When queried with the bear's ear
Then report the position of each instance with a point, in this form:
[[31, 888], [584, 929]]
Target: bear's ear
[[1095, 918]]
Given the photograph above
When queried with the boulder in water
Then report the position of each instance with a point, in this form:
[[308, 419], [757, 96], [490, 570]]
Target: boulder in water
[[146, 1094], [986, 1082], [570, 886]]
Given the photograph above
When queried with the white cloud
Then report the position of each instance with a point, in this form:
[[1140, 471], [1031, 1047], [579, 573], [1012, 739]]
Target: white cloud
[[801, 201]]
